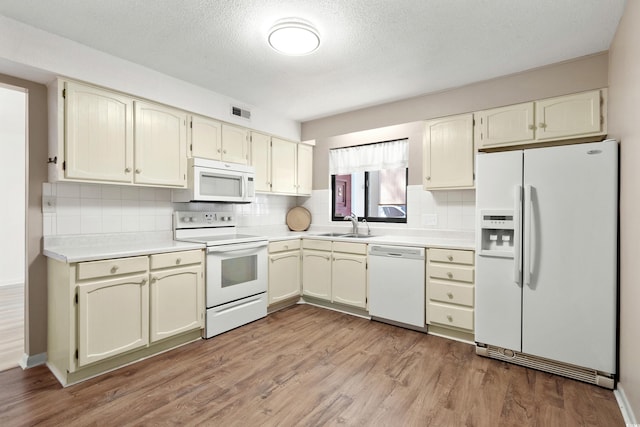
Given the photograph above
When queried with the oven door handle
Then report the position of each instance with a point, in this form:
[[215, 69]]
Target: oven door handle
[[223, 249]]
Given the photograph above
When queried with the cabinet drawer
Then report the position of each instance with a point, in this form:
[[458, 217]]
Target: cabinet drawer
[[451, 293], [285, 245], [112, 267], [451, 272], [448, 315], [321, 245], [175, 259], [350, 248], [451, 256]]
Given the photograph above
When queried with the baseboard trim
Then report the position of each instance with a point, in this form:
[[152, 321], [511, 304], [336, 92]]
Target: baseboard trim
[[30, 361], [625, 407]]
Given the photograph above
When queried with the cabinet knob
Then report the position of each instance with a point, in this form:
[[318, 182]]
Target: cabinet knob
[[449, 274], [450, 295], [153, 280], [138, 171], [219, 150], [224, 151], [449, 318], [450, 257], [542, 125], [144, 281], [286, 246], [114, 269], [428, 178], [127, 170], [178, 261], [532, 127]]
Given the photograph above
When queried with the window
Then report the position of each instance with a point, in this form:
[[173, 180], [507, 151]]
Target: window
[[370, 181]]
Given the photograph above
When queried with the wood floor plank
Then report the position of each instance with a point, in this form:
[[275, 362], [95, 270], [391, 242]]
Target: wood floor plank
[[314, 367]]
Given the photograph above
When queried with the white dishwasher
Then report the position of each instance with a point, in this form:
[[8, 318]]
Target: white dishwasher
[[396, 284]]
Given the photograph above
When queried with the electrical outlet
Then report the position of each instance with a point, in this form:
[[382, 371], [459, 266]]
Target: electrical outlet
[[429, 220], [48, 204]]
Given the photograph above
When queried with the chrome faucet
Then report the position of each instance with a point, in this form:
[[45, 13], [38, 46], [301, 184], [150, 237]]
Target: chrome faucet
[[354, 222]]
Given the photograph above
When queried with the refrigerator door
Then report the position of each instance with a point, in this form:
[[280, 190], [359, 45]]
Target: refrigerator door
[[570, 254], [498, 289]]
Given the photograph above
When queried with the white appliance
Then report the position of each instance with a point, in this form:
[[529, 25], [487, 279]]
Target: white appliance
[[396, 284], [215, 181], [546, 259], [236, 269]]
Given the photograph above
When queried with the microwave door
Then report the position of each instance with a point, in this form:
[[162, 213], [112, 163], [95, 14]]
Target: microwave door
[[220, 186]]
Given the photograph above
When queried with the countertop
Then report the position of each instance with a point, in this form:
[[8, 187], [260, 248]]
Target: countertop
[[71, 249]]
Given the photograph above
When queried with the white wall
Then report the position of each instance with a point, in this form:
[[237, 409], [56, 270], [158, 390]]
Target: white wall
[[29, 52], [12, 185]]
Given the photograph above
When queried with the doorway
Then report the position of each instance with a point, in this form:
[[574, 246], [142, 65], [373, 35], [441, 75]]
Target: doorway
[[13, 151]]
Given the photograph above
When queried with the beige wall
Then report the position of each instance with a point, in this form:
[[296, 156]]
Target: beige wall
[[581, 74], [624, 112], [36, 274]]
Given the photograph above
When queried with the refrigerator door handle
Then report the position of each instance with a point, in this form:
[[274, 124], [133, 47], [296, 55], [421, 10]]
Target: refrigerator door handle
[[517, 235], [528, 209]]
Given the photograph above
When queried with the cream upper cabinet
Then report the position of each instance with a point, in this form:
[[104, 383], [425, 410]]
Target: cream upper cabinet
[[283, 176], [570, 116], [261, 160], [284, 270], [349, 274], [235, 144], [506, 125], [580, 115], [160, 145], [98, 134], [205, 138], [304, 169], [448, 153]]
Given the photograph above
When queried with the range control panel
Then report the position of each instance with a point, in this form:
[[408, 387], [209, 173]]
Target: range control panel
[[191, 219]]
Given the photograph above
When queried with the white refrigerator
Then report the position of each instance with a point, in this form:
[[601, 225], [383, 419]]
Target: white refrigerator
[[547, 255]]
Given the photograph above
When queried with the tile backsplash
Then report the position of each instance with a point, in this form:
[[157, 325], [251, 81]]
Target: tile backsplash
[[73, 208]]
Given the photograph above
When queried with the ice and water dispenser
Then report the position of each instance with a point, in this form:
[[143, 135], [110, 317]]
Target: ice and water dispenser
[[498, 232]]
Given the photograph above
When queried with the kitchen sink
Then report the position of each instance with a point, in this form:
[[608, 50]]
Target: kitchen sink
[[331, 234], [357, 236]]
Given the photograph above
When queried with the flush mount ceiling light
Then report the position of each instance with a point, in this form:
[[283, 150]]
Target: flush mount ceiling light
[[293, 37]]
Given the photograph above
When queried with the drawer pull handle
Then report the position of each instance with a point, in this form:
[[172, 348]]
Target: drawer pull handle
[[449, 274], [449, 294], [450, 257], [286, 246], [178, 261], [114, 269], [449, 318]]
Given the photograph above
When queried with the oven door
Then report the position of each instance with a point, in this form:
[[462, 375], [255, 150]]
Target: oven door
[[235, 271]]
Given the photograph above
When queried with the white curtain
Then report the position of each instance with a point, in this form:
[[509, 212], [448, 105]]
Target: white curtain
[[383, 155]]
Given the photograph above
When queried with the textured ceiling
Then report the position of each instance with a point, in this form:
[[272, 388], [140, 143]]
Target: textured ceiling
[[372, 51]]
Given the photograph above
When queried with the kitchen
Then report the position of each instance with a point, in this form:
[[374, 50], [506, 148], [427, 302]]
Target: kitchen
[[603, 72]]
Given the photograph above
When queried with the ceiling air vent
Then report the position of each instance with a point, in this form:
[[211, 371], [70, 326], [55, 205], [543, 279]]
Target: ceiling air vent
[[240, 112]]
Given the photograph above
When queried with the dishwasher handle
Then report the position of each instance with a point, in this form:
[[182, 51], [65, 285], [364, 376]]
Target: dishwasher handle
[[396, 252]]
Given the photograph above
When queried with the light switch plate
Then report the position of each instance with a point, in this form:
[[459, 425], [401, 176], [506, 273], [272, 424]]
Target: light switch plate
[[48, 204]]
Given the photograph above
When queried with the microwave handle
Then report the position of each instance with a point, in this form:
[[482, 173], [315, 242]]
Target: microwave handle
[[244, 187]]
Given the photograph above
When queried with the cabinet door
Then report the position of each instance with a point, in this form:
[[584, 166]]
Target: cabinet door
[[304, 169], [160, 145], [349, 279], [448, 152], [284, 156], [98, 134], [506, 126], [113, 317], [261, 160], [569, 116], [235, 144], [316, 274], [284, 276], [177, 301], [206, 138]]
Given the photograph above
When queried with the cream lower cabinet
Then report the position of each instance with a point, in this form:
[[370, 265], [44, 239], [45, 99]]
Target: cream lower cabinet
[[448, 153], [349, 274], [104, 314], [284, 270], [450, 291], [316, 268], [176, 293]]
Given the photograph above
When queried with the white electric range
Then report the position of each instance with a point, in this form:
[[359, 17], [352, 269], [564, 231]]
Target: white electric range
[[236, 268]]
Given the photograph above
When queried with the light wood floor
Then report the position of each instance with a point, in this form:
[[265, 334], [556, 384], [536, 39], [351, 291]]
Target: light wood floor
[[11, 325], [309, 366]]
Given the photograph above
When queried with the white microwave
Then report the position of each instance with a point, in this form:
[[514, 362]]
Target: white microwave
[[215, 181]]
